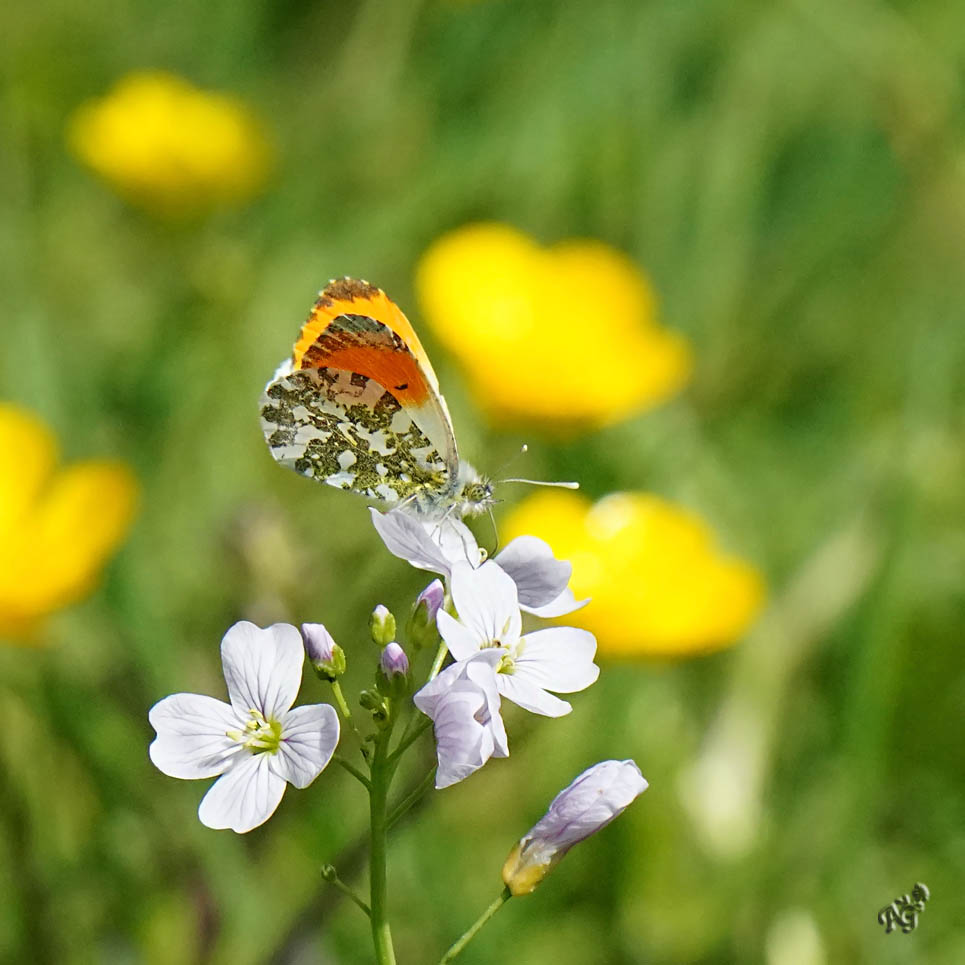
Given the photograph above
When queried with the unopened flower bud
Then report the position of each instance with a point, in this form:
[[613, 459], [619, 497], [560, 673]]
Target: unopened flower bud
[[382, 626], [394, 661], [324, 654], [432, 597], [422, 624], [374, 702], [591, 802]]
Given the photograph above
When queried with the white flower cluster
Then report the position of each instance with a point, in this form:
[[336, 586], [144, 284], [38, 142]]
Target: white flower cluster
[[493, 657], [257, 744]]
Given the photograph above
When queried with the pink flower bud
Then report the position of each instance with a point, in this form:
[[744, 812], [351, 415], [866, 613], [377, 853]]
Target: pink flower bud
[[324, 654], [394, 661], [433, 597], [318, 642], [590, 803]]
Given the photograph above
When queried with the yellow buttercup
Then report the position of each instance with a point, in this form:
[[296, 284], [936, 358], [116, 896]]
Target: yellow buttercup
[[57, 526], [564, 336], [659, 584]]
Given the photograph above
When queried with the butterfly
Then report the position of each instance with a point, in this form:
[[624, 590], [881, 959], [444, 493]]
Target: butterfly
[[358, 406]]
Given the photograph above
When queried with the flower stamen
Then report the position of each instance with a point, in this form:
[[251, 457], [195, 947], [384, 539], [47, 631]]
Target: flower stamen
[[259, 734]]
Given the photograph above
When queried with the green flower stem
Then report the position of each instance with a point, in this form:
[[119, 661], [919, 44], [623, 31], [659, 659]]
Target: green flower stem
[[437, 663], [353, 770], [330, 875], [382, 770], [344, 710], [504, 896], [340, 702], [409, 738], [412, 797]]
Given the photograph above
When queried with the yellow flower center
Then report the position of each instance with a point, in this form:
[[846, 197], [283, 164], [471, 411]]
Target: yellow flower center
[[259, 735]]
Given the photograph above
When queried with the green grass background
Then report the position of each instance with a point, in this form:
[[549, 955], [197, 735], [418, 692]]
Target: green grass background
[[792, 176]]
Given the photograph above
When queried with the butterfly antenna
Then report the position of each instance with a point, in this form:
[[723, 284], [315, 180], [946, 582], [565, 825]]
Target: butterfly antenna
[[543, 482], [534, 482], [523, 449]]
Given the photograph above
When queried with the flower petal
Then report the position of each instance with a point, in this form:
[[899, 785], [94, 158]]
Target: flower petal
[[243, 797], [460, 640], [480, 669], [463, 745], [487, 604], [524, 693], [262, 667], [590, 803], [407, 538], [309, 738], [539, 576], [192, 740], [463, 702], [432, 546], [481, 672], [558, 659], [565, 603], [456, 540]]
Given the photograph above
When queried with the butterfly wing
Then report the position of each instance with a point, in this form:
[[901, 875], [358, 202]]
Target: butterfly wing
[[345, 429], [358, 406]]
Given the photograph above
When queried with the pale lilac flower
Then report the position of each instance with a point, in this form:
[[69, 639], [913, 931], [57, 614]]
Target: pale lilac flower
[[438, 546], [556, 658], [257, 743], [394, 661], [541, 579], [463, 702], [600, 794]]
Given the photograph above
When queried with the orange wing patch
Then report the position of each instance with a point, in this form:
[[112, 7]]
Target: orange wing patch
[[347, 296], [364, 345]]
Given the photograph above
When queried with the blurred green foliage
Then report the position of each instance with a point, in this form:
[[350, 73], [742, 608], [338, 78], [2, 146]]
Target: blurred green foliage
[[792, 175]]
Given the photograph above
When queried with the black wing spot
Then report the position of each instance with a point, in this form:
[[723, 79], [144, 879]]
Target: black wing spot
[[404, 385]]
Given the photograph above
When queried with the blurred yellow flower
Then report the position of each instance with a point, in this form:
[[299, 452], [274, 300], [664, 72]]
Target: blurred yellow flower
[[659, 585], [170, 147], [565, 336], [57, 527]]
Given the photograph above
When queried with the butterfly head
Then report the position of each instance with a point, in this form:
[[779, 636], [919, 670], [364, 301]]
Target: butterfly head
[[474, 494]]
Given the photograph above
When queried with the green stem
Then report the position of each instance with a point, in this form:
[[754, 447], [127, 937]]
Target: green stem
[[437, 663], [382, 769], [504, 896], [411, 798], [340, 701], [344, 710], [353, 770], [410, 738], [331, 876]]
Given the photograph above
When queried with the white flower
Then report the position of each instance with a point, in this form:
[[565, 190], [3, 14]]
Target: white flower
[[257, 743], [426, 545], [463, 702], [557, 658], [591, 802], [438, 546]]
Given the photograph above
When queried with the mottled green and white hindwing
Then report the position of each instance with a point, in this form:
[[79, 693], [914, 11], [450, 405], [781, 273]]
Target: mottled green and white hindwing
[[345, 429]]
